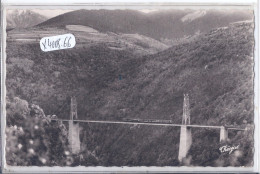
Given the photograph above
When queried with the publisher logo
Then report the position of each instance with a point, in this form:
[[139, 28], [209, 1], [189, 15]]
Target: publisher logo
[[228, 149]]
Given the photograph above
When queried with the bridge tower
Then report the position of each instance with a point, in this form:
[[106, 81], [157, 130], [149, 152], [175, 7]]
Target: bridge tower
[[74, 140], [186, 110], [185, 132]]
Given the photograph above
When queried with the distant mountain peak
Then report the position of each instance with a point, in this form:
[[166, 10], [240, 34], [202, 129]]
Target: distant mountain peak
[[23, 18]]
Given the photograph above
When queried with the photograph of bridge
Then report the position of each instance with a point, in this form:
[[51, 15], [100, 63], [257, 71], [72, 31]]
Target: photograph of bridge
[[146, 86]]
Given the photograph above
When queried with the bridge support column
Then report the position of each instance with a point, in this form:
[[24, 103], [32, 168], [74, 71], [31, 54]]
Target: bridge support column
[[185, 142], [223, 134], [74, 140]]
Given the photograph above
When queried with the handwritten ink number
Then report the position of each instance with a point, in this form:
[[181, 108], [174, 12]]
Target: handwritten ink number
[[57, 42], [68, 42]]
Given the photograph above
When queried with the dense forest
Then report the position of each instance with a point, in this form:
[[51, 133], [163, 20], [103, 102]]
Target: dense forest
[[216, 69]]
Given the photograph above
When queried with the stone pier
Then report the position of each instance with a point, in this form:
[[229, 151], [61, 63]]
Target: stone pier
[[185, 142], [223, 134], [74, 140]]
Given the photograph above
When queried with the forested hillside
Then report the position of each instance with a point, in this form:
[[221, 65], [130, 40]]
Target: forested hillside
[[216, 70]]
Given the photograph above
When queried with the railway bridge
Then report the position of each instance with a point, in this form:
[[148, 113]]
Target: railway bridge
[[185, 128]]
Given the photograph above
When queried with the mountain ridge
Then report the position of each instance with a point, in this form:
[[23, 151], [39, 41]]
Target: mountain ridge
[[157, 25]]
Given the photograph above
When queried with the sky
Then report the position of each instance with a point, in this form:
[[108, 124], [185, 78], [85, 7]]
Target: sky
[[49, 13], [52, 13], [55, 12]]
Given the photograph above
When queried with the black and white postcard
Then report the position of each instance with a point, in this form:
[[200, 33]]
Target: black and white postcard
[[115, 86]]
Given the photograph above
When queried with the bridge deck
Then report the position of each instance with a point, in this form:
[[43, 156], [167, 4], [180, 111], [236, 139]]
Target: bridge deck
[[149, 123]]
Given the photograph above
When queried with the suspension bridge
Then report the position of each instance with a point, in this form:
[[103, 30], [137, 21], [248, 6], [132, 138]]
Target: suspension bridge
[[185, 128]]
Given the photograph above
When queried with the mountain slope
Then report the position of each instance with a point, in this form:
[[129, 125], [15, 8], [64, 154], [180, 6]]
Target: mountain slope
[[157, 25], [217, 72], [88, 37]]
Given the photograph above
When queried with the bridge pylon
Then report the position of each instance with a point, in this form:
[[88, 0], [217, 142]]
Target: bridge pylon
[[186, 110], [185, 132], [74, 140]]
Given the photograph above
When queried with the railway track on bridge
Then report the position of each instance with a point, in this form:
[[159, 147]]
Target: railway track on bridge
[[151, 124]]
